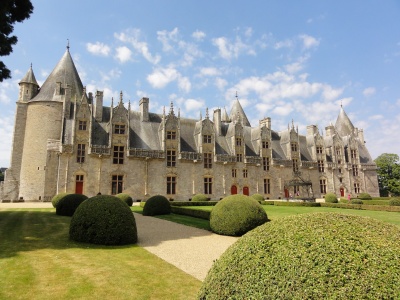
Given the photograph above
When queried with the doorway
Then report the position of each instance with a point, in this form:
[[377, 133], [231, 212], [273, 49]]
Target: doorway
[[341, 192], [79, 184], [233, 190], [246, 190]]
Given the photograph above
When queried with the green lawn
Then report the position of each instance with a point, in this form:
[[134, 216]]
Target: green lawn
[[38, 261]]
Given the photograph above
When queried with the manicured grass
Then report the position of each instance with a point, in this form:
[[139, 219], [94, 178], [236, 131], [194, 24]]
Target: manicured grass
[[38, 261]]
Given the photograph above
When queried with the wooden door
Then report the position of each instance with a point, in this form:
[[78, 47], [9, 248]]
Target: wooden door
[[246, 191], [233, 190]]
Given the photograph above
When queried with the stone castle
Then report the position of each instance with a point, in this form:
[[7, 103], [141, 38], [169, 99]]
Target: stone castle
[[66, 140]]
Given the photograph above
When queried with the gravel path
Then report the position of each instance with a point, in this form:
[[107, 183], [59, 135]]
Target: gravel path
[[190, 249]]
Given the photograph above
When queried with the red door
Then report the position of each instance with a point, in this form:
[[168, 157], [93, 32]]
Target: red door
[[286, 193], [79, 184], [246, 190], [341, 192], [233, 190]]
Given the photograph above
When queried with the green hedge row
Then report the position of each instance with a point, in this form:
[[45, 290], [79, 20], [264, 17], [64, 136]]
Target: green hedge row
[[309, 204], [362, 206], [202, 214], [195, 203]]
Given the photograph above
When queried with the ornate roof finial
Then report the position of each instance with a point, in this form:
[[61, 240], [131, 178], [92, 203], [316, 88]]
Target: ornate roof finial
[[237, 98], [129, 104], [112, 101], [68, 45], [207, 116], [171, 109], [120, 97], [179, 112], [201, 116], [292, 124], [341, 103]]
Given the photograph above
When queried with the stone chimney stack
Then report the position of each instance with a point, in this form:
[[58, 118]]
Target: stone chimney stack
[[361, 135], [217, 121], [144, 109], [330, 130], [312, 130], [99, 106], [266, 121]]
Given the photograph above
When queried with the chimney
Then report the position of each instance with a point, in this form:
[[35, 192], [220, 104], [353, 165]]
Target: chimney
[[266, 121], [330, 130], [217, 121], [99, 106], [144, 109], [312, 130]]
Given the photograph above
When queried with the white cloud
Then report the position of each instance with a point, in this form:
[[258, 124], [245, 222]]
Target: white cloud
[[284, 44], [6, 87], [123, 54], [162, 76], [165, 37], [309, 41], [228, 50], [283, 110], [210, 71], [133, 37], [220, 83], [398, 102], [6, 130], [184, 84], [369, 91], [198, 35], [376, 117], [193, 104], [98, 49]]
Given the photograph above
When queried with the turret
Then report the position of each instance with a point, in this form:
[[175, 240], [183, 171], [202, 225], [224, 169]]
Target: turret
[[28, 86]]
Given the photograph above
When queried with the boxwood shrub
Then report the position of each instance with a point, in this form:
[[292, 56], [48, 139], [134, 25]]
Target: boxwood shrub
[[364, 196], [237, 214], [310, 256], [331, 198], [287, 203], [356, 201], [191, 203], [67, 205], [258, 197], [199, 197], [57, 198], [126, 198], [103, 220], [394, 202], [157, 205]]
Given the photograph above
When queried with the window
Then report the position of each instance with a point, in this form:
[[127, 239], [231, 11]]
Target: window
[[234, 173], [119, 129], [340, 171], [267, 186], [207, 160], [322, 186], [265, 163], [357, 188], [171, 158], [118, 155], [355, 170], [353, 153], [82, 125], [319, 149], [171, 135], [321, 167], [338, 152], [245, 173], [117, 184], [207, 185], [238, 141], [295, 165], [265, 144], [339, 161], [171, 185], [207, 138], [239, 157], [294, 147], [80, 155], [79, 178]]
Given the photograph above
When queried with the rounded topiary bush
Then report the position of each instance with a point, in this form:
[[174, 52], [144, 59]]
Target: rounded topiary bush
[[364, 196], [236, 214], [394, 202], [310, 256], [356, 201], [57, 198], [67, 205], [157, 205], [199, 197], [126, 198], [103, 220], [331, 198], [258, 197]]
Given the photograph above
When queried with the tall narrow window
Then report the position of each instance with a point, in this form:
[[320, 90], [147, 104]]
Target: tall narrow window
[[267, 186], [321, 167], [322, 186], [234, 173], [295, 165], [353, 153], [119, 129], [265, 144], [294, 147], [118, 155], [171, 185], [239, 157], [245, 173], [82, 125], [319, 149], [207, 138], [338, 152], [265, 163], [80, 155], [207, 160], [207, 185], [357, 188], [117, 184], [171, 135], [171, 158], [355, 170], [238, 141]]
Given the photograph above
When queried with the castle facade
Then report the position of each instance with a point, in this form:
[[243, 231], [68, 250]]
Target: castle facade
[[66, 140]]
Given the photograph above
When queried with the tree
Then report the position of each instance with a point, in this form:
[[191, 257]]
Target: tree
[[388, 174], [11, 11]]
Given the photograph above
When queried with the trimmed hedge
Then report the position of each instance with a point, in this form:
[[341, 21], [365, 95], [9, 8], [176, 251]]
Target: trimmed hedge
[[200, 198], [394, 202], [126, 198], [331, 198], [57, 198], [237, 214], [356, 201], [287, 203], [68, 204], [364, 196], [196, 213], [329, 256], [362, 206], [195, 203], [103, 220], [258, 197], [157, 205]]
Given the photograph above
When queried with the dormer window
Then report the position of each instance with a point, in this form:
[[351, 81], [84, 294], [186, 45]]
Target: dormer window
[[119, 129], [238, 141], [82, 125], [294, 147], [265, 144], [206, 138], [319, 149], [171, 135], [353, 153]]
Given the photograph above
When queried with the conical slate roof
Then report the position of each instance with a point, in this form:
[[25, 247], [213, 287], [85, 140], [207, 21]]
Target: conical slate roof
[[238, 112], [29, 77], [64, 72], [343, 124]]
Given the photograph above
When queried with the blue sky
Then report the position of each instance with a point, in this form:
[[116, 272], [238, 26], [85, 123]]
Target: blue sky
[[288, 60]]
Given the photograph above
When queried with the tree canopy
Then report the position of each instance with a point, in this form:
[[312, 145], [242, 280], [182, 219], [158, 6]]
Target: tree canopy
[[11, 11], [388, 174]]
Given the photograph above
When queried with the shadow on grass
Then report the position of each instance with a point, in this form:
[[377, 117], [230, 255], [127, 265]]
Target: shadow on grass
[[32, 229]]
